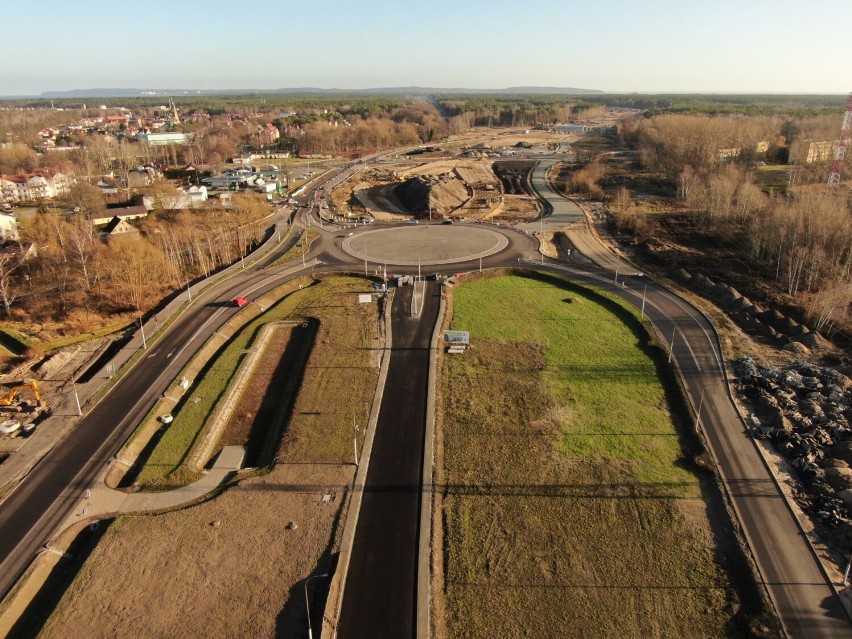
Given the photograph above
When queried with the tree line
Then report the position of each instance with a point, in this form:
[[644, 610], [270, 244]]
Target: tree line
[[65, 271], [798, 235]]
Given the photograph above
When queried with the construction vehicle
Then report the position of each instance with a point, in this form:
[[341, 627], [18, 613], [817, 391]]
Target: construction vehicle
[[12, 397]]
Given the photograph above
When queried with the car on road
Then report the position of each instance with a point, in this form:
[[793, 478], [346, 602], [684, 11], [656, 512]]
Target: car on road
[[239, 302], [412, 221], [447, 222]]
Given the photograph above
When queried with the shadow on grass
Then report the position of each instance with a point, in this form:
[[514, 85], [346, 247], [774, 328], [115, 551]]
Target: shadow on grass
[[310, 593], [32, 621]]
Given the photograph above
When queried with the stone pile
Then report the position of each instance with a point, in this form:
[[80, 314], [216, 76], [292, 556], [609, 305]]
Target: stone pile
[[806, 411], [770, 324]]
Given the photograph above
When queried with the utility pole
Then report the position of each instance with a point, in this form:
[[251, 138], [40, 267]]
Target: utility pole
[[671, 348], [355, 439], [77, 399], [700, 404]]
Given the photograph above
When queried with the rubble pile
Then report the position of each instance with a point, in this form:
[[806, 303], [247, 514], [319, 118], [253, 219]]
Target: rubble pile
[[806, 411]]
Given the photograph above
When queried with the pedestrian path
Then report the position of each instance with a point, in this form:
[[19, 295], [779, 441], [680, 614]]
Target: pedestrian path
[[101, 502]]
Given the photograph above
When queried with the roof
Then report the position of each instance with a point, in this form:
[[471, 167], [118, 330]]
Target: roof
[[117, 226], [21, 178]]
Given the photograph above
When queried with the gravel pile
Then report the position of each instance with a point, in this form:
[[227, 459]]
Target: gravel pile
[[806, 411]]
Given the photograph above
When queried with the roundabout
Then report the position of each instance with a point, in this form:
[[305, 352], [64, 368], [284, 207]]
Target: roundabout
[[424, 244]]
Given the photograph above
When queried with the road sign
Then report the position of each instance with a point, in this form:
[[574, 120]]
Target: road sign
[[457, 337]]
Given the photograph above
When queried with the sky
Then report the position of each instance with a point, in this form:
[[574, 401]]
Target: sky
[[618, 46]]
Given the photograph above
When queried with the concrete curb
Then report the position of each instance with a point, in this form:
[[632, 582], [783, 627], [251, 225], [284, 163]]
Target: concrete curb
[[338, 581], [427, 492], [226, 405]]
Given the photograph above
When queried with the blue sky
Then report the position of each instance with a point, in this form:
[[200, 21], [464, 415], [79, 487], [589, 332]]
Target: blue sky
[[731, 46]]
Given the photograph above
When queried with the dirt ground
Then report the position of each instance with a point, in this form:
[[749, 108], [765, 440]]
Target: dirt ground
[[230, 567]]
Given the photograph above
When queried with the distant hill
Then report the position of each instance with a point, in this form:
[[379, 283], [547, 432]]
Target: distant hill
[[141, 93]]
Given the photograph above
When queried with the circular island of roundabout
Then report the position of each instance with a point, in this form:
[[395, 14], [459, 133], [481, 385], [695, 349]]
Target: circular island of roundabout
[[424, 244]]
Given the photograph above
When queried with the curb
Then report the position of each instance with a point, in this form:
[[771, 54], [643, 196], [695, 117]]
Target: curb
[[424, 549]]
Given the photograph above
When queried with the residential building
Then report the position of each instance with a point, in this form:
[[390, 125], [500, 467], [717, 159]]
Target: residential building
[[38, 185], [117, 226], [193, 197], [809, 151]]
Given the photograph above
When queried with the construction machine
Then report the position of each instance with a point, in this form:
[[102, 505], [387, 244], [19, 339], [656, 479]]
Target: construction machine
[[12, 396]]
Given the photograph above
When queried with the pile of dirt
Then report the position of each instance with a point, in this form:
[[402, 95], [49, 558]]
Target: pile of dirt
[[515, 176], [414, 193], [770, 324], [439, 194]]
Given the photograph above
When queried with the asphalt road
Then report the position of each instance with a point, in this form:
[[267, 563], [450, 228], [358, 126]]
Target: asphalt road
[[801, 593], [380, 590]]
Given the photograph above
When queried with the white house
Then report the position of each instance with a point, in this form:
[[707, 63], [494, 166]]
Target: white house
[[39, 185], [190, 198]]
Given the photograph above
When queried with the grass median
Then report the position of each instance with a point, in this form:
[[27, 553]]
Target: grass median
[[569, 504], [343, 353]]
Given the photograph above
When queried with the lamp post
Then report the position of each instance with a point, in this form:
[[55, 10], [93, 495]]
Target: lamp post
[[308, 604], [366, 248], [355, 438], [698, 413]]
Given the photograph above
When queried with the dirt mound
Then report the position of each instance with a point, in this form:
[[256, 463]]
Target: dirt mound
[[515, 177], [414, 194]]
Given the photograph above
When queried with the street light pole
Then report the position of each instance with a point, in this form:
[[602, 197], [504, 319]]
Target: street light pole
[[77, 399], [355, 438], [700, 404], [307, 603], [671, 348], [644, 290]]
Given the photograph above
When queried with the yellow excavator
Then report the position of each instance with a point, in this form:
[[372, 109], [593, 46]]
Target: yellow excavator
[[12, 396]]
